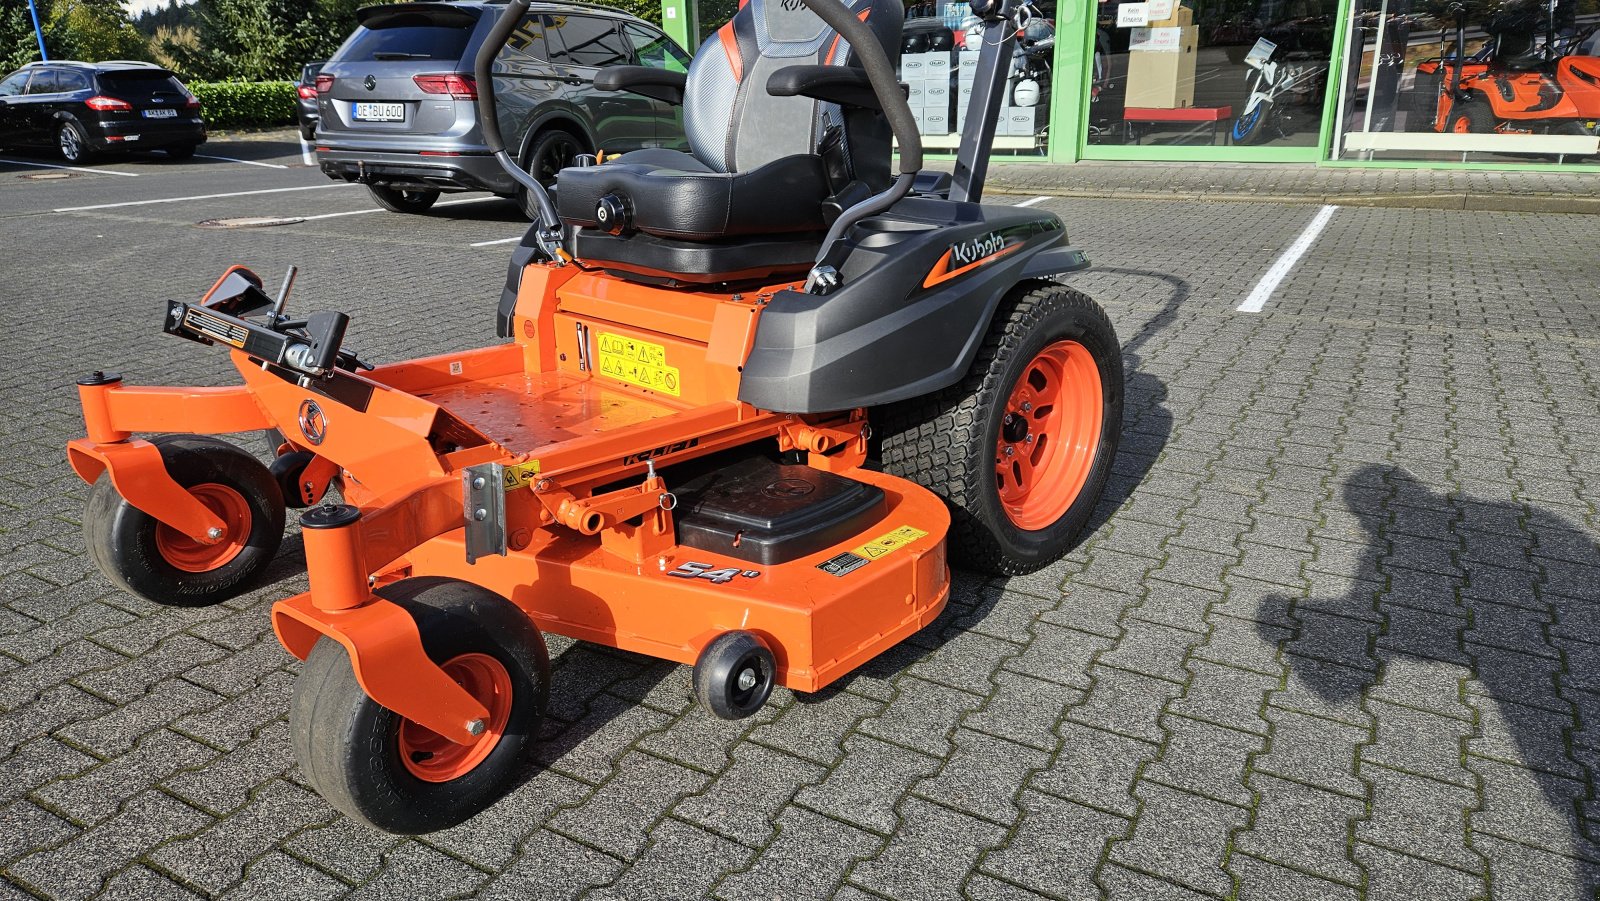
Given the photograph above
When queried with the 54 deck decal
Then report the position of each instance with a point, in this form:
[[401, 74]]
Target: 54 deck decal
[[691, 570]]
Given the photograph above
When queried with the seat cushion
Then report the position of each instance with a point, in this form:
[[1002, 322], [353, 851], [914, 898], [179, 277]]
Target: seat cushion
[[673, 195]]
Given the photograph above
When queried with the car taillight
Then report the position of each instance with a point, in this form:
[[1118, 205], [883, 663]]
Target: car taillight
[[324, 84], [192, 102], [307, 92], [102, 104], [459, 85]]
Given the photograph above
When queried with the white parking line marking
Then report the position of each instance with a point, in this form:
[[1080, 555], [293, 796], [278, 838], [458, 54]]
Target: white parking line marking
[[496, 241], [306, 156], [1286, 263], [108, 206], [381, 210], [73, 168], [1034, 200], [229, 159]]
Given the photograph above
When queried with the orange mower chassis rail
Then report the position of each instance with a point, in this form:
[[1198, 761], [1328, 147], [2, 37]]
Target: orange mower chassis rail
[[603, 381]]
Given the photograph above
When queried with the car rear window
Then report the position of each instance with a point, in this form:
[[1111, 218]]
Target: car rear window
[[140, 83], [395, 40]]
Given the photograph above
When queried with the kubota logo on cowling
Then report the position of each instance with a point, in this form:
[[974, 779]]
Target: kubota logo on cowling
[[965, 256]]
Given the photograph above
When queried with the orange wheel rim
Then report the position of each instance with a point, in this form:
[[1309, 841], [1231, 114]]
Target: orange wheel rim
[[1463, 126], [193, 556], [1049, 434], [430, 756]]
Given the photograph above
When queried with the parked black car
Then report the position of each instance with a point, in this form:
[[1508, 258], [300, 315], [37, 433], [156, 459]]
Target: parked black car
[[84, 109], [398, 100], [306, 99]]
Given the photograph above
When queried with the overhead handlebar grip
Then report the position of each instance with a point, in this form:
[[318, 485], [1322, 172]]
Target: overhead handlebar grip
[[483, 71], [881, 75]]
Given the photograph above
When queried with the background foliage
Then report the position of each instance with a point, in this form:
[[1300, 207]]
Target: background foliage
[[230, 104]]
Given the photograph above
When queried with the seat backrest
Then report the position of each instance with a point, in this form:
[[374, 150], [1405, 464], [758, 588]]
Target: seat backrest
[[733, 124]]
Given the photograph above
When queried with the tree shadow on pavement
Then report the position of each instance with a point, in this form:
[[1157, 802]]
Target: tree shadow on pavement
[[1463, 634]]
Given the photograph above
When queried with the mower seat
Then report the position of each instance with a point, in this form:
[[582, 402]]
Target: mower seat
[[766, 173]]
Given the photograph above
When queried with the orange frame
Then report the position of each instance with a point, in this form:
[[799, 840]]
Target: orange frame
[[603, 378]]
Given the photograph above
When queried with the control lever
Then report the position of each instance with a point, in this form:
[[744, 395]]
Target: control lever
[[283, 295]]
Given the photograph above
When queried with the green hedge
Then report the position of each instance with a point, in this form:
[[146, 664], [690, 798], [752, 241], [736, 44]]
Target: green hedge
[[228, 104]]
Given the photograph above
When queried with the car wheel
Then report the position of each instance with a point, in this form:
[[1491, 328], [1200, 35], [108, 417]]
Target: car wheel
[[73, 142], [181, 151], [309, 132], [550, 152], [402, 200]]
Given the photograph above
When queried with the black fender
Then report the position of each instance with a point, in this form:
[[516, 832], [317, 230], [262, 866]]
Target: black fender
[[920, 289]]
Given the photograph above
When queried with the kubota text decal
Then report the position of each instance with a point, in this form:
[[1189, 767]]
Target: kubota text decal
[[965, 256]]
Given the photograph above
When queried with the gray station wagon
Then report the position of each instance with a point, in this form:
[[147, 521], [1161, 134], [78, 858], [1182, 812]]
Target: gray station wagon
[[398, 111]]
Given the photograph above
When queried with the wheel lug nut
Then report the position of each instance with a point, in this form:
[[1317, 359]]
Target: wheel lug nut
[[1009, 419], [475, 727], [747, 680], [1026, 406], [1010, 450]]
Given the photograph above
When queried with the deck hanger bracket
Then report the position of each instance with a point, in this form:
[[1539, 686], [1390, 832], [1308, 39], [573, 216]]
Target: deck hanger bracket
[[484, 510]]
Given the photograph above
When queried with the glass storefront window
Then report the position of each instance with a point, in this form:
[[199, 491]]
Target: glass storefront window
[[938, 60], [1476, 80], [1211, 72]]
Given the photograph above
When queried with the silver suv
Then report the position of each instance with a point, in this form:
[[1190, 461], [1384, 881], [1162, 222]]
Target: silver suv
[[398, 100]]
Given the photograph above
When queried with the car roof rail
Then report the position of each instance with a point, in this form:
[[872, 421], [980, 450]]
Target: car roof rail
[[129, 63], [546, 5]]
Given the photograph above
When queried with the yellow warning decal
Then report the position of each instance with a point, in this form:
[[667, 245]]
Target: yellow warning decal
[[519, 474], [888, 544], [637, 362]]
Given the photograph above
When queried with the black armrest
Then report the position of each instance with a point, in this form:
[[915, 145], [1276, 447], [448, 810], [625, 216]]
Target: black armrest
[[646, 80], [844, 85]]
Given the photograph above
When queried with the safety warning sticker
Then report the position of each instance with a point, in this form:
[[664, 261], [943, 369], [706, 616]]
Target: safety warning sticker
[[637, 362], [888, 544], [519, 474]]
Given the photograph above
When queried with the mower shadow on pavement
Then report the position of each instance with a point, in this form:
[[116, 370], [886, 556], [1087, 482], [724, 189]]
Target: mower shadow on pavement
[[1490, 603]]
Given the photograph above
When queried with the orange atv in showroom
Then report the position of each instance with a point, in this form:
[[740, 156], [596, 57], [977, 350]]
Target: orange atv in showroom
[[751, 396]]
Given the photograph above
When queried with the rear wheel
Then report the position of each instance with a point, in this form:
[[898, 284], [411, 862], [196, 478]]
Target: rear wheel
[[1020, 448], [403, 200], [394, 774], [73, 142], [160, 563], [552, 151], [1470, 117]]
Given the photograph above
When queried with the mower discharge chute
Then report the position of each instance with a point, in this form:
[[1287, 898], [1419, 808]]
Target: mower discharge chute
[[752, 395]]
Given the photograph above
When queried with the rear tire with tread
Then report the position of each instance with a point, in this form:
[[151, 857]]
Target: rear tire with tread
[[947, 441]]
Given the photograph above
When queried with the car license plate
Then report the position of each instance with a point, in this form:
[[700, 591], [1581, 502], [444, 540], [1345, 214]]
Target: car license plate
[[160, 113], [380, 112]]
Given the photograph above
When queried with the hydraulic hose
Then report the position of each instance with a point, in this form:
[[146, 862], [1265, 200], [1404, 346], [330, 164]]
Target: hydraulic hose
[[488, 120], [880, 74]]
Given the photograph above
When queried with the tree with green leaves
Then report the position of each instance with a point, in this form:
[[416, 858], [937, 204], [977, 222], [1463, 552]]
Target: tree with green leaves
[[261, 40]]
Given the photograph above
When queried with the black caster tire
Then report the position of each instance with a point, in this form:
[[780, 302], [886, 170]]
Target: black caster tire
[[161, 564], [374, 765], [403, 200], [734, 676], [286, 470], [1021, 448]]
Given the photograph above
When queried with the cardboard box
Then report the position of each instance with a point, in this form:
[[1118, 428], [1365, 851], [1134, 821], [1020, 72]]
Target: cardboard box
[[967, 63], [1182, 16], [935, 94], [914, 93], [1161, 70], [911, 67], [916, 114], [935, 121], [1019, 121], [936, 63]]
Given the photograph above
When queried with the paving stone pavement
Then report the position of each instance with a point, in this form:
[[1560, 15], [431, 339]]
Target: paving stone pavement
[[1332, 634]]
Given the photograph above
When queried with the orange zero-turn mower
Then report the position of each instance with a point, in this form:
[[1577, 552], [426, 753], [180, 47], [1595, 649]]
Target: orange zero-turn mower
[[752, 394]]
